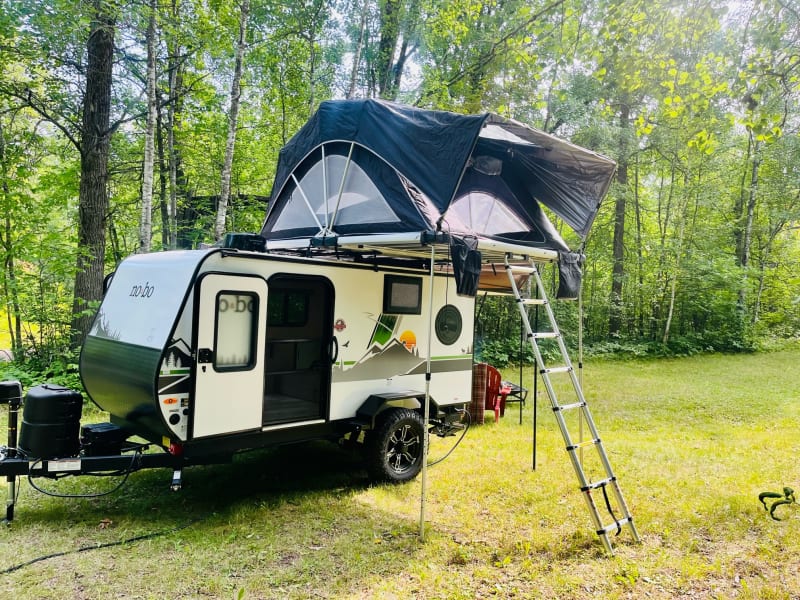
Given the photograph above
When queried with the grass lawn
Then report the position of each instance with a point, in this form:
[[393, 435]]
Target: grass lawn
[[693, 442]]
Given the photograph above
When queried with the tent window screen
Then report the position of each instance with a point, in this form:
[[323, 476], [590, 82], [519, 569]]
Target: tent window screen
[[402, 295], [334, 188], [484, 213], [234, 338]]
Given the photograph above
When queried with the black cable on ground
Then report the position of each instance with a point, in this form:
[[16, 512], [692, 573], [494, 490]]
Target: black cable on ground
[[137, 538], [449, 452]]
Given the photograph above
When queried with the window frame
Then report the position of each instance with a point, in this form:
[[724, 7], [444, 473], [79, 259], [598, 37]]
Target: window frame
[[254, 325], [393, 309]]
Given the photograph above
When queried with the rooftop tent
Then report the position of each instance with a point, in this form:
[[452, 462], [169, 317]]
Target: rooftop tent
[[362, 167]]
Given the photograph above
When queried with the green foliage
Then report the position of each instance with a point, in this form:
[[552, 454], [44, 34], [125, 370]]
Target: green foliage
[[61, 368], [698, 102]]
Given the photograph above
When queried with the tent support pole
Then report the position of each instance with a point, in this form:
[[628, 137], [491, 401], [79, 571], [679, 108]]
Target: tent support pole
[[341, 185], [306, 200], [580, 358], [427, 410], [325, 187], [536, 368]]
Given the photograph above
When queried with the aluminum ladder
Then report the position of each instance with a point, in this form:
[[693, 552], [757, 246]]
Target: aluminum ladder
[[580, 408]]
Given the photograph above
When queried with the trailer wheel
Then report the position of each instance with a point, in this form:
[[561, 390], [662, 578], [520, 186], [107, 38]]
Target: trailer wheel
[[394, 449]]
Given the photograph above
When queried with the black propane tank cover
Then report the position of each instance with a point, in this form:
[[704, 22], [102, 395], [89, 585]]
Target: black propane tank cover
[[51, 418], [10, 390]]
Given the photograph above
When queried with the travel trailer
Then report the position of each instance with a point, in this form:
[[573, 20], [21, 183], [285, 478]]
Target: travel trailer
[[217, 350], [349, 316]]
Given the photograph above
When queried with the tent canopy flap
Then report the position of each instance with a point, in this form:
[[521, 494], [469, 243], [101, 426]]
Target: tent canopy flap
[[364, 167]]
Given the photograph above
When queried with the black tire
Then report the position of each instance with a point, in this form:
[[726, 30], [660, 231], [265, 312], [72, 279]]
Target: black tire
[[395, 447]]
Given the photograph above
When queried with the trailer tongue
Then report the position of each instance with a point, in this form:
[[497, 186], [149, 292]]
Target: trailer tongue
[[49, 444]]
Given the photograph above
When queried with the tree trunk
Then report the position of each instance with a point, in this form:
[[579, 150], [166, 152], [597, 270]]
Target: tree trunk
[[93, 193], [113, 239], [640, 300], [176, 178], [674, 280], [312, 72], [13, 312], [359, 48], [233, 114], [390, 33], [747, 238], [747, 229], [146, 218], [618, 245], [738, 207], [163, 203]]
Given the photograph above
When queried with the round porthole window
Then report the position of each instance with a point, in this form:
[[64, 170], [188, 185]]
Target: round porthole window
[[448, 324]]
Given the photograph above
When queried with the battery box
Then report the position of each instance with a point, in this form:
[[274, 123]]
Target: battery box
[[102, 439]]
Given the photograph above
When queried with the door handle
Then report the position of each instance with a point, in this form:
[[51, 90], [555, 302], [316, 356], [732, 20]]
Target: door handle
[[334, 349], [205, 355]]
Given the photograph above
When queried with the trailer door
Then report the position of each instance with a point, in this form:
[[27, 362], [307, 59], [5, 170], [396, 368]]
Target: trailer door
[[229, 381], [300, 349]]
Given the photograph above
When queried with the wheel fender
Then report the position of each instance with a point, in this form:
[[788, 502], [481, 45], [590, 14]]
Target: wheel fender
[[369, 412]]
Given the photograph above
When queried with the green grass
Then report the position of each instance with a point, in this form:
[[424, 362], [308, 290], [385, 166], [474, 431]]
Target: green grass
[[693, 442]]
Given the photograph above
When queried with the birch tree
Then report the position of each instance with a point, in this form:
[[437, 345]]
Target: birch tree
[[146, 220], [233, 114]]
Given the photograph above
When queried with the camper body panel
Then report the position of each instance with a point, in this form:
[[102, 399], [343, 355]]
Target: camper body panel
[[123, 351], [262, 343]]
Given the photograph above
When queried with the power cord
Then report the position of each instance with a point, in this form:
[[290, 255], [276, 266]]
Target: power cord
[[463, 434], [131, 540], [126, 474]]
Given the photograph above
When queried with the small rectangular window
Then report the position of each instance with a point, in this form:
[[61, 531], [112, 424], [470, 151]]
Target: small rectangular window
[[237, 324], [402, 295], [287, 308]]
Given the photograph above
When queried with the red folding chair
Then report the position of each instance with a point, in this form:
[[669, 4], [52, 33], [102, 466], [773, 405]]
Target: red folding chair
[[488, 392]]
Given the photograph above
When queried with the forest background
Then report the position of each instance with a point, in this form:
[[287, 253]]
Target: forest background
[[141, 125]]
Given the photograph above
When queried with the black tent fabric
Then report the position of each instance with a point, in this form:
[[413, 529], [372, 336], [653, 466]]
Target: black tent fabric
[[361, 167]]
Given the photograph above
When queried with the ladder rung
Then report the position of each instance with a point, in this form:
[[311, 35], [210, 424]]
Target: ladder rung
[[545, 335], [533, 301], [569, 406], [615, 525], [584, 444], [555, 370], [521, 269], [598, 484]]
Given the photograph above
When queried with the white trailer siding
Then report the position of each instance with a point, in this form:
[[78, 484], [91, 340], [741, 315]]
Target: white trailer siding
[[368, 362]]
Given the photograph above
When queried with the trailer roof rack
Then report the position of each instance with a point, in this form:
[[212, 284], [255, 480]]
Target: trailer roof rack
[[404, 246]]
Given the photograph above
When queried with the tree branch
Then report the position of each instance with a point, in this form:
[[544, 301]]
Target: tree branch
[[31, 100], [491, 53]]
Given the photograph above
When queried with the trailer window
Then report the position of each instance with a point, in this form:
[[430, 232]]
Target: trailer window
[[402, 295], [234, 338]]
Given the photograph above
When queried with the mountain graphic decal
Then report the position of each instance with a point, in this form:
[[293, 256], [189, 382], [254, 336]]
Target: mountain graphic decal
[[381, 363]]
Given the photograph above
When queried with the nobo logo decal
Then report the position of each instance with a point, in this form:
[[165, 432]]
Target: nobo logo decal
[[142, 291]]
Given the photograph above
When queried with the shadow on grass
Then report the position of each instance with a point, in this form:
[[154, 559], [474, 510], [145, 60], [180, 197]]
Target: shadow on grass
[[268, 476], [270, 520]]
